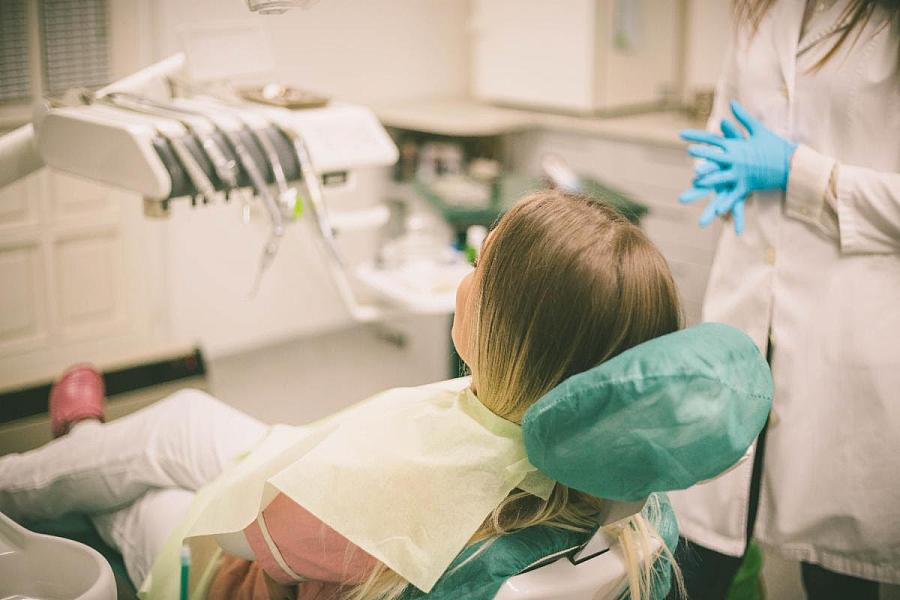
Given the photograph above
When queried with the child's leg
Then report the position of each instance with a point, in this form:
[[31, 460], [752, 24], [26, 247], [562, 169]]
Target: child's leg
[[140, 530], [182, 441]]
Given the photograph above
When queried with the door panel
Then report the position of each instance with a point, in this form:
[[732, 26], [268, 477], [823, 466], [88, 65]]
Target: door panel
[[72, 197], [88, 284], [23, 323], [79, 278]]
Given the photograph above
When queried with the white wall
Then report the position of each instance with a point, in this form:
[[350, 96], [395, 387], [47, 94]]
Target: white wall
[[365, 50], [709, 31]]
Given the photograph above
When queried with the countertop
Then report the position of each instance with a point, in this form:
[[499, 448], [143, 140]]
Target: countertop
[[465, 117]]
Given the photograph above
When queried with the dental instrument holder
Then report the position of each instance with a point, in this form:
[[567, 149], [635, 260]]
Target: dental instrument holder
[[182, 158], [273, 155], [176, 146]]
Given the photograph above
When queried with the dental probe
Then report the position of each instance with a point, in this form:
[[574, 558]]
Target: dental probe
[[193, 169]]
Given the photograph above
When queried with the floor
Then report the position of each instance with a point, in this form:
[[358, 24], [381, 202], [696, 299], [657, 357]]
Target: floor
[[309, 378]]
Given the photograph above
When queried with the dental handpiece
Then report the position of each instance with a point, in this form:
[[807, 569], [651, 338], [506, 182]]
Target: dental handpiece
[[246, 160], [192, 168], [285, 194], [275, 215], [225, 168], [257, 180], [314, 188], [272, 156]]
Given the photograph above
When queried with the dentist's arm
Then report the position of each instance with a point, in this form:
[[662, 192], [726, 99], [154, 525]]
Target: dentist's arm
[[858, 206]]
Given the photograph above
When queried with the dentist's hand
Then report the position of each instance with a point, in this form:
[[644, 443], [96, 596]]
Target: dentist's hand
[[760, 161], [725, 195]]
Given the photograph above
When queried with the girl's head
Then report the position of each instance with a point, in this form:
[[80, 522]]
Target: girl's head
[[563, 284]]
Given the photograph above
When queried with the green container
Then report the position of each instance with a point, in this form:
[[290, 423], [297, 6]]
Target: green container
[[747, 583], [509, 188]]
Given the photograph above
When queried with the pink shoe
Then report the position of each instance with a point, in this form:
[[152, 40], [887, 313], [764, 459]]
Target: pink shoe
[[77, 395]]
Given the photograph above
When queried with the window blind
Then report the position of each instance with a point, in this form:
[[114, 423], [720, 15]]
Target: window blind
[[74, 36], [15, 80]]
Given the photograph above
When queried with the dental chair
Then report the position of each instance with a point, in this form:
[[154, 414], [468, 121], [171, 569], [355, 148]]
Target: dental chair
[[664, 415]]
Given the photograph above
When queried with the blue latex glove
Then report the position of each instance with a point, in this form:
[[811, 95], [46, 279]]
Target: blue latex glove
[[726, 197], [760, 161]]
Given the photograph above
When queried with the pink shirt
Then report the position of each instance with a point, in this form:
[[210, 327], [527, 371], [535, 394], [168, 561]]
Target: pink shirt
[[309, 548]]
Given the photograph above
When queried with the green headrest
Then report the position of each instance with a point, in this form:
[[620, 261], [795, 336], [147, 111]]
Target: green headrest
[[661, 416]]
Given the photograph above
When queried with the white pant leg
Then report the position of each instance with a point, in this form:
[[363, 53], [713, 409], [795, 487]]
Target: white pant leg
[[140, 530], [182, 441]]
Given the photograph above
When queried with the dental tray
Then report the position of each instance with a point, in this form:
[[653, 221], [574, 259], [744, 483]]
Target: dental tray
[[282, 96]]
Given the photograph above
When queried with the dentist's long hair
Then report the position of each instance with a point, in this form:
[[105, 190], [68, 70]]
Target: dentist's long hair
[[853, 18], [565, 284]]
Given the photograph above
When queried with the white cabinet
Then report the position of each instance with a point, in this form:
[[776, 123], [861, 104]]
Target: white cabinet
[[581, 56], [78, 278]]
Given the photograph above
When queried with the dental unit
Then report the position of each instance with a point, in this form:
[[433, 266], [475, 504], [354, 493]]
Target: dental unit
[[136, 135]]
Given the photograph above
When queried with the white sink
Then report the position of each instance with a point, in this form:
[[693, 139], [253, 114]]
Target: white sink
[[44, 567]]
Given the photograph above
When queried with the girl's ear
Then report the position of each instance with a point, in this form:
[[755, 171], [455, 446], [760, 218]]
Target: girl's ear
[[463, 330]]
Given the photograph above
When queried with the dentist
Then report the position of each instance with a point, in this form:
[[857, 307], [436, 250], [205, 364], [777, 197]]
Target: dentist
[[805, 163]]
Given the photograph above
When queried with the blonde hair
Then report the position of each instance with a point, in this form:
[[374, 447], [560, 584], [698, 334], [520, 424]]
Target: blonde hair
[[565, 284]]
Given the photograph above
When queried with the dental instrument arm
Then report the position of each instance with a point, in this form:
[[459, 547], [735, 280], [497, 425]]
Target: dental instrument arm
[[360, 312], [19, 156]]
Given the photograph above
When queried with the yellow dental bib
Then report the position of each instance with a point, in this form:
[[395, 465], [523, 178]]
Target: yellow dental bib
[[408, 476]]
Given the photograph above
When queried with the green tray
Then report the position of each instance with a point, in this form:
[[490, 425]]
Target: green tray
[[509, 188]]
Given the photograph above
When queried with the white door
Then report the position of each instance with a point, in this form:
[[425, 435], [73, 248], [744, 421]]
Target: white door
[[81, 273], [78, 278]]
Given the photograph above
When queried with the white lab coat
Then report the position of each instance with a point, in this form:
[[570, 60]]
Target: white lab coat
[[827, 289]]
